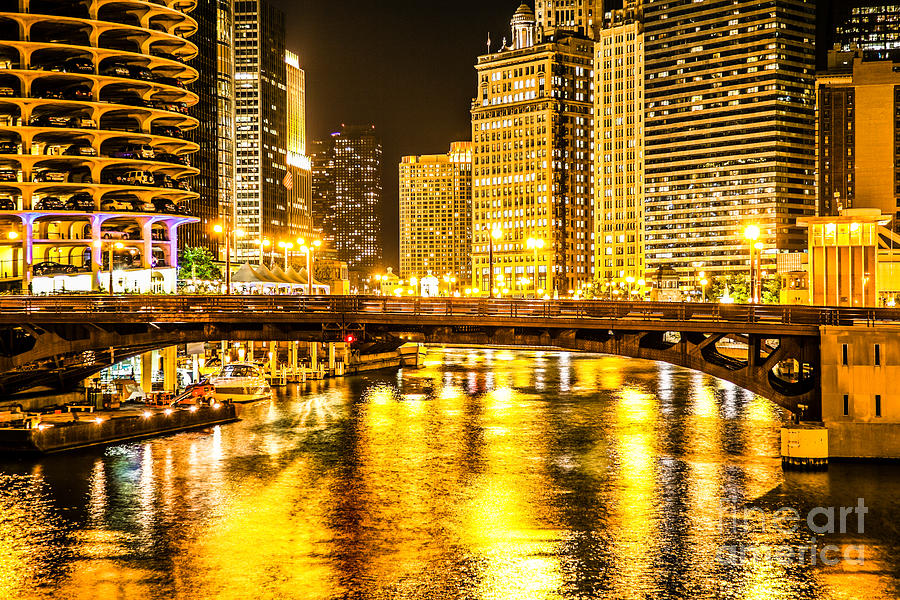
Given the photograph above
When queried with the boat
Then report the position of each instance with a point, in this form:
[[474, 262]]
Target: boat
[[413, 354], [240, 382]]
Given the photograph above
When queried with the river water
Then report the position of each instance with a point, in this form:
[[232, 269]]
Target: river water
[[489, 474]]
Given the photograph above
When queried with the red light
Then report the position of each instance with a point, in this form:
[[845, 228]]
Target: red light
[[350, 339]]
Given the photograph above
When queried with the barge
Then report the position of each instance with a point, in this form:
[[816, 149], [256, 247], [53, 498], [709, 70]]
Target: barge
[[72, 431]]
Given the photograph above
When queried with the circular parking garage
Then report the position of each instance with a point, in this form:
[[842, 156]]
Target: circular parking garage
[[95, 163]]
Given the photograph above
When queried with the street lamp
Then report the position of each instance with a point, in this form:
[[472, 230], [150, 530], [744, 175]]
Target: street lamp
[[287, 247], [308, 250], [228, 233], [535, 244], [751, 234], [703, 283], [263, 244], [496, 234], [112, 248]]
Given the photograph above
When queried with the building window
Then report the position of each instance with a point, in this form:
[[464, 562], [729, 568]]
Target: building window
[[877, 405], [846, 405], [877, 355], [844, 360]]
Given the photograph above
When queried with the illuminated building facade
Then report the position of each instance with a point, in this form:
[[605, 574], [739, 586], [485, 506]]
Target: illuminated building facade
[[858, 134], [436, 214], [872, 27], [619, 150], [321, 154], [299, 181], [582, 17], [729, 130], [532, 128], [261, 156], [94, 164], [215, 115], [356, 204]]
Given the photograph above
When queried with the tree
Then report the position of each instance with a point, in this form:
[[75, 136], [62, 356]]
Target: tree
[[738, 288], [772, 290], [197, 263]]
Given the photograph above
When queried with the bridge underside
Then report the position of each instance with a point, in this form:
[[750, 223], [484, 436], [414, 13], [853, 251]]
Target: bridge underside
[[59, 356]]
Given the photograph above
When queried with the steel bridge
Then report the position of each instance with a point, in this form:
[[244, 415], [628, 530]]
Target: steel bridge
[[55, 342]]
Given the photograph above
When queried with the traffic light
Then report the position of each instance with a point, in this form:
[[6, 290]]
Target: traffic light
[[349, 338]]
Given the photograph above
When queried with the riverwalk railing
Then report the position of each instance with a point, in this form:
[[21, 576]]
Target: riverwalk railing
[[138, 307]]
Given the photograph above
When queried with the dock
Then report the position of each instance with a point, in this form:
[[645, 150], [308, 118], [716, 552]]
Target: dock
[[72, 431]]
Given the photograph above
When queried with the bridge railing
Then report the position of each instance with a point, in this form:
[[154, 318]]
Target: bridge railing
[[479, 307]]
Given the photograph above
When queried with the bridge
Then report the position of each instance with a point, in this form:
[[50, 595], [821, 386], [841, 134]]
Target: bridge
[[55, 342]]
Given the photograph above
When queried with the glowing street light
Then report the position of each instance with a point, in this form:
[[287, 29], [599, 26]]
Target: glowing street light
[[751, 234], [308, 250], [223, 230], [496, 234], [112, 248], [287, 247], [535, 244]]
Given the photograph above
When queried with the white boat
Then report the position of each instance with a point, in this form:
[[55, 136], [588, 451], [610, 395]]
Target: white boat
[[240, 382]]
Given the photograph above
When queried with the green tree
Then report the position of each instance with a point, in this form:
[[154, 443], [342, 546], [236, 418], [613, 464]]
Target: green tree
[[738, 288], [197, 263], [771, 292]]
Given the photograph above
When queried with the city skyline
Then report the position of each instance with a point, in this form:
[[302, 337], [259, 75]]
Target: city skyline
[[432, 62]]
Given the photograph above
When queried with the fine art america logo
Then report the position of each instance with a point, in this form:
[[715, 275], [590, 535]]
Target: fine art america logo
[[787, 537]]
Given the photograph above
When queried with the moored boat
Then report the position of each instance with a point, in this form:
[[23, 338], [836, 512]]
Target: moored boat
[[240, 382]]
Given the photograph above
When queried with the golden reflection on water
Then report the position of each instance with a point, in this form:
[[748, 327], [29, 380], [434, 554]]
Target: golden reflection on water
[[489, 475]]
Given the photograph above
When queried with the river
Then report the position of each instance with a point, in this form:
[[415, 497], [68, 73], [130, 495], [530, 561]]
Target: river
[[488, 474]]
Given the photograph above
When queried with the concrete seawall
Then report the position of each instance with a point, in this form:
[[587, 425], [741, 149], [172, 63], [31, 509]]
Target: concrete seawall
[[89, 432]]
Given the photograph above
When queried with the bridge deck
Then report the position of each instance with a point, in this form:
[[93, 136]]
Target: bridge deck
[[583, 314]]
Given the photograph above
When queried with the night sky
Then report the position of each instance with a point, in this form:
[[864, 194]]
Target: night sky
[[405, 65]]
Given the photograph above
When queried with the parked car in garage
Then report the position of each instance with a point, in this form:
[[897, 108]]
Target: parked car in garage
[[81, 201], [49, 176], [7, 204], [53, 268], [50, 203]]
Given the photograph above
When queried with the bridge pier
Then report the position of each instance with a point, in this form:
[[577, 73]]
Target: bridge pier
[[860, 405]]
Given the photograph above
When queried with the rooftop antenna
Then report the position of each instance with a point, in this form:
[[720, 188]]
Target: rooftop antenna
[[489, 43]]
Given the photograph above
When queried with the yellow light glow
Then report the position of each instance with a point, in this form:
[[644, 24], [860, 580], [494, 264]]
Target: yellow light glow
[[497, 233], [751, 232], [118, 245], [218, 228], [12, 235]]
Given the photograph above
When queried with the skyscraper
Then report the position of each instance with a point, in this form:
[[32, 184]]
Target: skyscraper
[[215, 113], [729, 98], [298, 181], [261, 209], [348, 168], [436, 214], [858, 134], [321, 154], [872, 27], [619, 149], [532, 128], [574, 16]]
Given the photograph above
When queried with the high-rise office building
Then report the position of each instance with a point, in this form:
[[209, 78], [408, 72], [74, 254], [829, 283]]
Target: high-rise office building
[[870, 26], [436, 214], [729, 138], [215, 114], [261, 209], [347, 174], [298, 181], [532, 128], [619, 149], [575, 16], [321, 154], [858, 134]]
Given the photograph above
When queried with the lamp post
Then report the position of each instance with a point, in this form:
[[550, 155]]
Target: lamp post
[[263, 244], [308, 250], [112, 248], [287, 247], [751, 234], [703, 283], [223, 230], [535, 244], [496, 234]]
